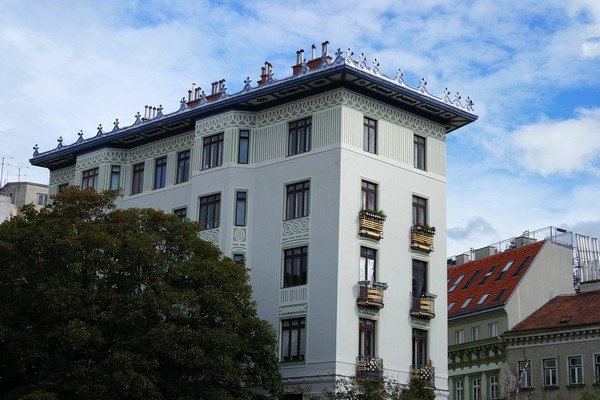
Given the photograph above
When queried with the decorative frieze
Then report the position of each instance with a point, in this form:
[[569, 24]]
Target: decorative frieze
[[224, 121], [293, 309], [211, 235], [161, 148], [239, 239], [62, 176], [106, 156], [295, 229]]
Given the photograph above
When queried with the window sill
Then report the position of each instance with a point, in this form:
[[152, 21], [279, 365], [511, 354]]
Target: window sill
[[576, 385], [553, 387], [527, 388]]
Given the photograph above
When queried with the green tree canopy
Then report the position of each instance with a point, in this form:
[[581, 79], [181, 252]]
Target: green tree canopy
[[104, 303]]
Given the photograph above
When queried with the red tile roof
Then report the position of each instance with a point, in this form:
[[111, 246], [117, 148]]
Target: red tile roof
[[486, 277], [564, 311]]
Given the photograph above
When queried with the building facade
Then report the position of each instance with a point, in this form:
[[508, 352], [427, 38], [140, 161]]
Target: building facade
[[292, 176], [15, 195], [492, 294]]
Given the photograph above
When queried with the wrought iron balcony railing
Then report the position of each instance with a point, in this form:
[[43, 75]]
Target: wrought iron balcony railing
[[369, 367], [370, 224], [421, 238], [370, 294], [423, 305], [424, 373]]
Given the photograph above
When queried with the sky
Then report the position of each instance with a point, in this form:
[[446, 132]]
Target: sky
[[532, 69]]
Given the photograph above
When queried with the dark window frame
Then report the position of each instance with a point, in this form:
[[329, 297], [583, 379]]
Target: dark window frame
[[209, 214], [419, 210], [181, 213], [300, 136], [183, 166], [243, 146], [115, 177], [89, 178], [137, 181], [289, 327], [367, 338], [420, 152], [297, 200], [368, 255], [295, 266], [419, 347], [160, 173], [212, 151], [419, 277], [368, 195], [370, 135], [241, 207]]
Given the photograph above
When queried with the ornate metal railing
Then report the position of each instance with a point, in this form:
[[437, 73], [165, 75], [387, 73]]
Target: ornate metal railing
[[369, 367], [423, 305], [424, 373], [370, 293]]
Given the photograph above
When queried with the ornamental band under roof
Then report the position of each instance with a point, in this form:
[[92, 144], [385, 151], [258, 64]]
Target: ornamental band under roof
[[321, 73]]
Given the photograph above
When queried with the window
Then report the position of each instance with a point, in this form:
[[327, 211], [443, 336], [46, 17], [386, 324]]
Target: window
[[115, 177], [419, 211], [549, 366], [474, 333], [471, 279], [368, 262], [459, 390], [181, 213], [459, 336], [419, 150], [419, 351], [243, 146], [368, 196], [504, 270], [299, 138], [62, 187], [419, 277], [466, 303], [137, 185], [210, 210], [366, 338], [494, 393], [297, 200], [493, 329], [460, 278], [500, 294], [525, 373], [293, 339], [160, 172], [575, 370], [476, 386], [238, 258], [483, 299], [295, 266], [488, 274], [212, 151], [42, 199], [451, 305], [521, 266], [370, 135], [240, 208], [183, 167], [89, 179], [597, 368]]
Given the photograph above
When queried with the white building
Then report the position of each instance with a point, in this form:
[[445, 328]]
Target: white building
[[14, 195], [278, 174]]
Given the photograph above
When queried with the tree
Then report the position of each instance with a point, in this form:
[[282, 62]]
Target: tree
[[350, 388], [98, 302]]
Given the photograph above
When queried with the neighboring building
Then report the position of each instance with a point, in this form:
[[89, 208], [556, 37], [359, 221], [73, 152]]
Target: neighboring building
[[15, 195], [555, 352], [492, 294], [291, 175]]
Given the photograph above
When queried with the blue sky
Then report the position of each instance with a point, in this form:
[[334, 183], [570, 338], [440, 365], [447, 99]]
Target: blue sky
[[531, 160]]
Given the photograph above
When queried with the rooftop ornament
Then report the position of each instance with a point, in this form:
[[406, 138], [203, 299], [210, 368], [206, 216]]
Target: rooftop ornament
[[80, 134], [197, 98]]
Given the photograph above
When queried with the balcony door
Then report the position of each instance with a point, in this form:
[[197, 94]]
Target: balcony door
[[368, 258], [366, 340], [419, 356]]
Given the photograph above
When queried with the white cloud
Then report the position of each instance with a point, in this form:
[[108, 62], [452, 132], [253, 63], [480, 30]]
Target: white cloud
[[560, 147]]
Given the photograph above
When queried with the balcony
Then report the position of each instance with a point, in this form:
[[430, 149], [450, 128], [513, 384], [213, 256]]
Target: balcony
[[421, 238], [424, 373], [370, 294], [371, 224], [369, 367], [423, 306]]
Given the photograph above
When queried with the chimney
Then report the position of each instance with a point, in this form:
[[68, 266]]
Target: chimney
[[299, 60], [266, 73], [484, 252], [462, 259]]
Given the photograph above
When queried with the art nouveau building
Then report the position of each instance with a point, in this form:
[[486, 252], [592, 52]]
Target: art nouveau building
[[292, 176]]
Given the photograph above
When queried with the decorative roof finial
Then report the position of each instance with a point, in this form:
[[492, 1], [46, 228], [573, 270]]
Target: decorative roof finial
[[80, 134], [99, 130], [35, 150], [60, 142], [116, 125]]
